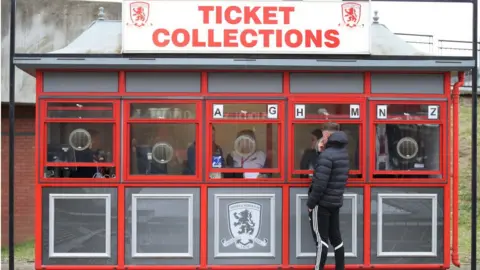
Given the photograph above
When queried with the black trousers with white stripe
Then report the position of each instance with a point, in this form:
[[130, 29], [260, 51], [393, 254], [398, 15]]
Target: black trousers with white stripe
[[325, 224]]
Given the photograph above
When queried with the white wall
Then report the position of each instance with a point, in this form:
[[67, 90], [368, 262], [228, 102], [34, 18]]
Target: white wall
[[43, 26]]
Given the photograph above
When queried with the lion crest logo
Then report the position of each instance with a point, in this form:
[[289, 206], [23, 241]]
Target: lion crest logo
[[139, 13], [244, 223], [351, 14]]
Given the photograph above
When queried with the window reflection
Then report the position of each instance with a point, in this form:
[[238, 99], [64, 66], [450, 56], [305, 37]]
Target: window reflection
[[411, 111], [163, 111], [323, 111], [407, 147], [162, 149], [79, 110], [244, 111], [305, 140], [79, 142], [247, 146]]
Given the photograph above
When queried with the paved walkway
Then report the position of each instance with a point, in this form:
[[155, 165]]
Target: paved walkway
[[29, 266]]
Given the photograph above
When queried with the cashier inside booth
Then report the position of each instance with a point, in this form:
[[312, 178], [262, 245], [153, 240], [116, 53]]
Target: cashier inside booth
[[71, 143], [407, 147]]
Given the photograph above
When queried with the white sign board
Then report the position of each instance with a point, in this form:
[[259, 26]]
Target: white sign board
[[217, 111], [433, 112], [354, 111], [381, 111], [299, 111], [270, 27], [272, 111]]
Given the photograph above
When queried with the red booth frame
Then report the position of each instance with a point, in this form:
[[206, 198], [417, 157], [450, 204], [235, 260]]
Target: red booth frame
[[328, 100], [442, 143], [127, 128], [448, 172], [114, 120], [281, 151]]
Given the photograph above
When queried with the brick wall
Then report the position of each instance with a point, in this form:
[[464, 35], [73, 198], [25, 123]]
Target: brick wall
[[24, 173]]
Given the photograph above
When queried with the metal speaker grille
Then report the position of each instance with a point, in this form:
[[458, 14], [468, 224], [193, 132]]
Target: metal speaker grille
[[244, 145], [407, 148], [80, 139], [162, 152]]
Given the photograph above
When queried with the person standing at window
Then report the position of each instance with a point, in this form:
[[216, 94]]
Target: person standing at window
[[309, 156], [325, 196]]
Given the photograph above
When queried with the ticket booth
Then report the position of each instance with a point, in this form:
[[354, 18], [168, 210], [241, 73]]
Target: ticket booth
[[171, 161]]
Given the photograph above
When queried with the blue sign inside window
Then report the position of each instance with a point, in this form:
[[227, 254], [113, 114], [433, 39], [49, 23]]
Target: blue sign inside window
[[216, 161]]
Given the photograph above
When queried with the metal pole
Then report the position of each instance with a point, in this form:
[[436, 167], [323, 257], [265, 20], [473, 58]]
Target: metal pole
[[474, 134], [11, 143]]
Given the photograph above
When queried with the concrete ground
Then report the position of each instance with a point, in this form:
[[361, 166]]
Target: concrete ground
[[30, 266]]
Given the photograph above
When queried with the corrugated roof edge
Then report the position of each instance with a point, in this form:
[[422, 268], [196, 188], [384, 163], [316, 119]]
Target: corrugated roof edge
[[247, 56], [31, 64]]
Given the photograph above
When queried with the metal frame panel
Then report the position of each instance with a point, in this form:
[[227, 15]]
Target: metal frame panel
[[80, 82], [51, 226], [381, 196], [217, 253], [31, 64], [135, 198]]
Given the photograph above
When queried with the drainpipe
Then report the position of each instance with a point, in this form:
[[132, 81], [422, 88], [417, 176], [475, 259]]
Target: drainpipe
[[455, 182]]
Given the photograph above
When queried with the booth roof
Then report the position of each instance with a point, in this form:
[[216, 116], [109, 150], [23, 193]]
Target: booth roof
[[102, 37], [105, 37], [100, 46]]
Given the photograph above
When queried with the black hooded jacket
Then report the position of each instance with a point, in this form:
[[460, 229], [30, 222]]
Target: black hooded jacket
[[331, 173]]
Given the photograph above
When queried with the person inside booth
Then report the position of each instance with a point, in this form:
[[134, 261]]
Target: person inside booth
[[93, 154], [217, 157], [143, 156], [309, 156], [245, 155]]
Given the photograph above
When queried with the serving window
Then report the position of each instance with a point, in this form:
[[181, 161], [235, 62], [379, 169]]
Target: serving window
[[244, 140], [161, 140], [408, 140], [79, 141], [307, 120]]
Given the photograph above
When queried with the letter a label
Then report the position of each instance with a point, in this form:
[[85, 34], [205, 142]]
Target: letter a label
[[354, 111], [217, 111], [381, 111]]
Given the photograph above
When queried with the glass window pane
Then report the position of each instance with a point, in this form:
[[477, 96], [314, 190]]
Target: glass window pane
[[407, 147], [412, 111], [163, 110], [80, 142], [80, 172], [161, 149], [79, 110], [248, 146], [306, 136], [244, 111], [322, 111]]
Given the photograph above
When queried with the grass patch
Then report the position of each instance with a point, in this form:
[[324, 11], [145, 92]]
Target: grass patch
[[465, 192], [24, 252]]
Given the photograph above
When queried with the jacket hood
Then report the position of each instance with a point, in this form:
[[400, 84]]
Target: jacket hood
[[338, 138]]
